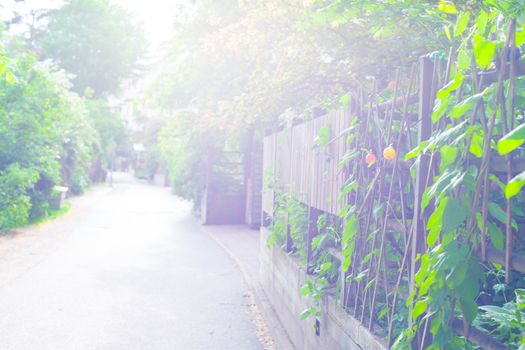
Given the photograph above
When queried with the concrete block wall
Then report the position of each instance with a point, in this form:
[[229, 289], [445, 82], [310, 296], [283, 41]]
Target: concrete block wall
[[282, 278]]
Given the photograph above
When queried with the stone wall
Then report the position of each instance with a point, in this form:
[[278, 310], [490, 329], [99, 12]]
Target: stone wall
[[282, 278]]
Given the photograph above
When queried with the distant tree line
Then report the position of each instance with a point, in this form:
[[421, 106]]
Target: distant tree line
[[56, 125]]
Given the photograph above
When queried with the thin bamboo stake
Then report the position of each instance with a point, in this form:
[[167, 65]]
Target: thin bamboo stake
[[391, 117], [382, 246], [485, 163], [508, 233], [395, 167], [368, 271]]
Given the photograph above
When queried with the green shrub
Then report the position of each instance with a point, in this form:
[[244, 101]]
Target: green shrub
[[15, 203], [79, 181]]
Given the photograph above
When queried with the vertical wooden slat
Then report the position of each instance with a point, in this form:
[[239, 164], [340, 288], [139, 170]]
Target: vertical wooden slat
[[333, 152], [308, 161], [315, 175]]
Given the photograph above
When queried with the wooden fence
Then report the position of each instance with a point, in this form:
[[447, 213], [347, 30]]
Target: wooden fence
[[315, 175], [311, 173]]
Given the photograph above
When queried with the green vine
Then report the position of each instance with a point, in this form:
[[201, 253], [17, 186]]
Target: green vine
[[467, 197]]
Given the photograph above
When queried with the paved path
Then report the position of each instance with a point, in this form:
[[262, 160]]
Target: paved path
[[128, 268], [242, 245]]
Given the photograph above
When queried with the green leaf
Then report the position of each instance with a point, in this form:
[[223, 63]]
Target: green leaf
[[447, 32], [448, 155], [515, 185], [348, 157], [306, 313], [441, 107], [512, 140], [497, 181], [451, 86], [435, 222], [370, 284], [383, 312], [348, 238], [447, 7], [426, 198], [318, 241], [481, 22], [463, 60], [420, 308], [454, 215], [476, 145], [469, 308], [466, 105], [456, 83], [323, 138], [497, 212], [350, 229], [325, 267], [449, 180], [429, 281], [423, 269], [435, 325], [496, 236], [345, 101], [10, 78], [361, 275], [461, 23], [484, 51], [344, 211], [306, 289], [470, 178], [520, 36], [369, 256], [416, 151], [347, 188]]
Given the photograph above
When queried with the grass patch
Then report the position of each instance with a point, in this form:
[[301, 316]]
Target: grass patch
[[53, 214]]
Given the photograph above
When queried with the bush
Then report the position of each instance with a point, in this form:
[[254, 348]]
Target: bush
[[46, 139], [15, 203], [79, 182]]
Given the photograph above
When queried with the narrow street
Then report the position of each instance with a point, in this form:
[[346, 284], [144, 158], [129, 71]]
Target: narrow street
[[127, 268]]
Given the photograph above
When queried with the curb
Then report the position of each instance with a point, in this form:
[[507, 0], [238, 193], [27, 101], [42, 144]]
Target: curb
[[270, 322]]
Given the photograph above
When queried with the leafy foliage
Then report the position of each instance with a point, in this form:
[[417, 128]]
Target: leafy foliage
[[49, 136], [15, 203], [95, 40], [507, 321], [464, 206], [469, 200]]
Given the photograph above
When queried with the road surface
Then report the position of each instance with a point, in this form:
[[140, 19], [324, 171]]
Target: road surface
[[128, 268]]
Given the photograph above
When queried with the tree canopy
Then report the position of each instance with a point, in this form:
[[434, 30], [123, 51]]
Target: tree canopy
[[100, 43], [56, 124]]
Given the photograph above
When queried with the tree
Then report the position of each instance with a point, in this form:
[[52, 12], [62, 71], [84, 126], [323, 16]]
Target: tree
[[100, 43], [242, 65], [45, 138], [112, 134]]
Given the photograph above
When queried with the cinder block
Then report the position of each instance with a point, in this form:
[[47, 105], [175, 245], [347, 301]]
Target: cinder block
[[282, 278]]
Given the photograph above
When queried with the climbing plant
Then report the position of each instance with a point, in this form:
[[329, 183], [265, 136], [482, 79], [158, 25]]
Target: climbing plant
[[459, 281], [468, 199]]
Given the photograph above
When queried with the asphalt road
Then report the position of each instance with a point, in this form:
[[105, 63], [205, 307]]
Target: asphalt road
[[128, 268]]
